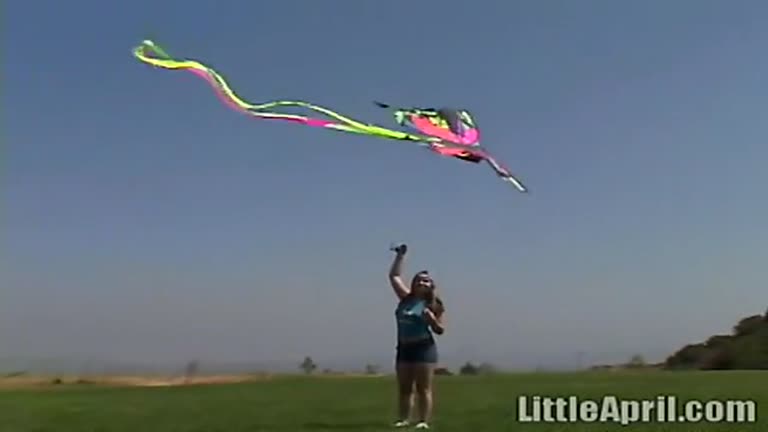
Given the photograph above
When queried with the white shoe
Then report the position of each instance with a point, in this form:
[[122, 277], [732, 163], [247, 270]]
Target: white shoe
[[422, 425], [402, 423]]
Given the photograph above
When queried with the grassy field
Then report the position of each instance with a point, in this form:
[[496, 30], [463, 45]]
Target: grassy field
[[297, 404]]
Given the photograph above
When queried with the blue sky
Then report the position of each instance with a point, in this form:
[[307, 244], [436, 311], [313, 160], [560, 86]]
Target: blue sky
[[144, 221]]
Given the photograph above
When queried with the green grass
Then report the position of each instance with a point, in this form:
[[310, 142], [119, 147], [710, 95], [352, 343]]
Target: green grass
[[297, 404]]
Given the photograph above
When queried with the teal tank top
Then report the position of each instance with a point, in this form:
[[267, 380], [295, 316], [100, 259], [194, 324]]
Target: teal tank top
[[411, 324]]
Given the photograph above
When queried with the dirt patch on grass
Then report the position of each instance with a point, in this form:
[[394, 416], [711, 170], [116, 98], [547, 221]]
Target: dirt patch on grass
[[127, 381]]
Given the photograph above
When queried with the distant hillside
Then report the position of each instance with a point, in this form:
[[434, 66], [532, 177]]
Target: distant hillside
[[745, 348], [75, 366]]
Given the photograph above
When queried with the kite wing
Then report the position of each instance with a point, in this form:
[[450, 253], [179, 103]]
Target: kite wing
[[448, 124], [460, 137]]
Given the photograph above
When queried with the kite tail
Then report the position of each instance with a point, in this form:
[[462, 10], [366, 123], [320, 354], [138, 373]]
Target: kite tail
[[151, 53]]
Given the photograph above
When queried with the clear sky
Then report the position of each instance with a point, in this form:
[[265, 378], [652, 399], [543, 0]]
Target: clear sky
[[144, 221]]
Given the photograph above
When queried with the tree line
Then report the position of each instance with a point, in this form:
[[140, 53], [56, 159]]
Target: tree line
[[746, 348]]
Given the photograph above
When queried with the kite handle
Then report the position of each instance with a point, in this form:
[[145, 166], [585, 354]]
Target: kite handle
[[400, 248]]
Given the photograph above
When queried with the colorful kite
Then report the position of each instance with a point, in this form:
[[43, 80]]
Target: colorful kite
[[448, 132]]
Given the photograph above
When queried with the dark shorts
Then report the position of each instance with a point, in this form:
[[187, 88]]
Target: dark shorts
[[417, 352]]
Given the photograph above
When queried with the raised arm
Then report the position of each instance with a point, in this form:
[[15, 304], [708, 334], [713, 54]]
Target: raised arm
[[396, 272]]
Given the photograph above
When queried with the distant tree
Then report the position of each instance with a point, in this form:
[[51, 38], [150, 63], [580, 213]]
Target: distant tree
[[469, 369], [750, 352], [601, 367], [191, 369], [486, 368], [371, 369], [441, 371], [308, 365], [745, 349], [689, 357], [748, 325], [636, 361], [717, 359], [718, 341]]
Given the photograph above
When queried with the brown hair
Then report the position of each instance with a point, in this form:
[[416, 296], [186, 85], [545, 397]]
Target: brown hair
[[435, 303]]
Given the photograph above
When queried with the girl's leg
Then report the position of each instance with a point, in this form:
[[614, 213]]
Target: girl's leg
[[405, 383], [424, 380]]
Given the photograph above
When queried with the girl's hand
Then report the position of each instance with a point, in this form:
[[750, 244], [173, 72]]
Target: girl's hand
[[434, 323], [400, 249], [430, 316]]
